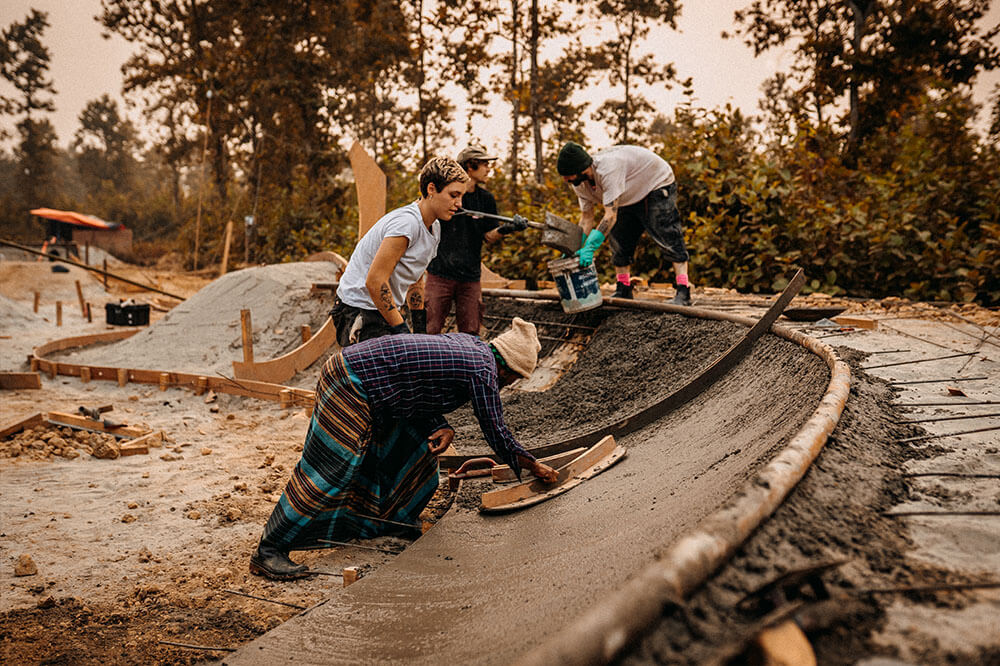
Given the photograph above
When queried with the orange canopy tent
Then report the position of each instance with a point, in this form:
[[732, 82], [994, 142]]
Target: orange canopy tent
[[72, 217]]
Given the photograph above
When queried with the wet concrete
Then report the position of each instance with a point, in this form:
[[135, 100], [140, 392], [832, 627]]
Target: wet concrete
[[485, 589]]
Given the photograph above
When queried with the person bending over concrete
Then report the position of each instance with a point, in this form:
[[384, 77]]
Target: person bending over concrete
[[638, 192], [376, 429], [388, 264], [453, 275]]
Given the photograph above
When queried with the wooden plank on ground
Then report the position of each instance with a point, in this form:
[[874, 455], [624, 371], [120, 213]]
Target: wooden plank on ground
[[21, 424], [857, 322], [591, 462], [74, 421], [140, 445], [20, 380]]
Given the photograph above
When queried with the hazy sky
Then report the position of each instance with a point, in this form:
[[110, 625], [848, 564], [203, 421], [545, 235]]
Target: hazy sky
[[85, 66]]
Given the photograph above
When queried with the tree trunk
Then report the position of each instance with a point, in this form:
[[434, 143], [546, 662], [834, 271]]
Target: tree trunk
[[626, 111], [536, 121], [515, 104], [421, 77]]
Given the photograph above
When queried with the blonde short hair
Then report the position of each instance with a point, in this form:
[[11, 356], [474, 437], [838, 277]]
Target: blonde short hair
[[442, 171]]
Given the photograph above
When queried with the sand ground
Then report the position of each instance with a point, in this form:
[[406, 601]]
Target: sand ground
[[137, 550]]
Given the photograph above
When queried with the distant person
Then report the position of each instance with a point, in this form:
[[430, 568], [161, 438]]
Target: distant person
[[378, 424], [639, 193], [453, 276], [388, 264]]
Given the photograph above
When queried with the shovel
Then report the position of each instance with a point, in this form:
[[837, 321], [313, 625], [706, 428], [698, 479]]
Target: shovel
[[557, 233]]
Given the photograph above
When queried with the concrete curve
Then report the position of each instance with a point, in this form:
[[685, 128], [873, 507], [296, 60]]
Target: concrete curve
[[490, 589]]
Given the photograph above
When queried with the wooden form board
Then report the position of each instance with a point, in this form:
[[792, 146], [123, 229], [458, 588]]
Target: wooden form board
[[370, 183], [20, 380], [20, 424], [590, 463], [286, 395], [283, 368]]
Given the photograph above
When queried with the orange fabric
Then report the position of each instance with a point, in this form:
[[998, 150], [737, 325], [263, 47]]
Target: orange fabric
[[73, 217]]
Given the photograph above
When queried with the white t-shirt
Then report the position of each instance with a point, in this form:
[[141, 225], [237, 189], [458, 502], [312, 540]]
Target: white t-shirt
[[423, 242], [625, 173]]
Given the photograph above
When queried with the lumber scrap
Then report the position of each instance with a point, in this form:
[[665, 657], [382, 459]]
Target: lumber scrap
[[20, 380], [283, 368], [857, 322], [588, 464], [21, 424], [83, 423], [141, 445]]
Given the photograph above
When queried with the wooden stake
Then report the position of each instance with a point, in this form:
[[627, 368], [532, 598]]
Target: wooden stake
[[122, 376], [79, 296], [306, 333], [225, 248], [164, 380], [86, 253], [85, 375], [201, 385], [105, 266], [350, 575], [37, 298], [58, 313], [247, 325], [90, 317]]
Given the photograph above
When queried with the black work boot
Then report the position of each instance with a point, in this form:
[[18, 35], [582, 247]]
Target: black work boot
[[623, 290], [271, 562], [683, 295]]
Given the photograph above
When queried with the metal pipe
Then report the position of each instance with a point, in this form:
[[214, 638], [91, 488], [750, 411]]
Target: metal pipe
[[197, 647], [951, 418], [358, 545], [919, 360], [91, 268], [270, 601], [938, 381], [948, 434]]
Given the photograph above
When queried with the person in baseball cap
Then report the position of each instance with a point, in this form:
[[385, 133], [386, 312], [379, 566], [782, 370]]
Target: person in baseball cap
[[453, 277]]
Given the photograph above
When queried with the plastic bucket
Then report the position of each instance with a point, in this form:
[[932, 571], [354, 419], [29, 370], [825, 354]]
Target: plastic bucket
[[578, 287]]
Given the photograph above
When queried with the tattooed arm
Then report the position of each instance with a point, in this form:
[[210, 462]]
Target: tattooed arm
[[415, 294], [388, 255], [609, 219]]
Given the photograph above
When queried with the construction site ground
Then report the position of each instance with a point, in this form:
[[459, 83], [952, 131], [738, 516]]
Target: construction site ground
[[138, 550]]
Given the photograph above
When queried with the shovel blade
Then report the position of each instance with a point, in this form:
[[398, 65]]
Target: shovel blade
[[561, 234]]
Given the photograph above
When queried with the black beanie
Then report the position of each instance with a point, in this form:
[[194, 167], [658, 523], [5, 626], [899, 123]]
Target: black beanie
[[573, 159]]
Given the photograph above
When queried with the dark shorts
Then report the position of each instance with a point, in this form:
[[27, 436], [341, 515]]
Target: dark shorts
[[658, 216], [357, 324]]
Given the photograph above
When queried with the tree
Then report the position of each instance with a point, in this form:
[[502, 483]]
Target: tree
[[24, 63], [879, 54], [625, 69], [104, 145]]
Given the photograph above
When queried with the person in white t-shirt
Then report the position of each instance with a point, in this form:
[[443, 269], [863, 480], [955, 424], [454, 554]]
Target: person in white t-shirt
[[388, 264], [637, 189]]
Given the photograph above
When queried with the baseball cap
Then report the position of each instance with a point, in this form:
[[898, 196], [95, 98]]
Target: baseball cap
[[474, 152]]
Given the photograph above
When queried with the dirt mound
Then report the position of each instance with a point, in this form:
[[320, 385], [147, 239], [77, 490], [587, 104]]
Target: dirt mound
[[203, 333]]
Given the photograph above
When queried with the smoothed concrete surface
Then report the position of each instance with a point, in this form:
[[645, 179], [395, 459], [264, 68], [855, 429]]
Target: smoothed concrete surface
[[485, 589]]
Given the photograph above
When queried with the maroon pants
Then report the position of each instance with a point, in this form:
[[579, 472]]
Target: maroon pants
[[440, 293]]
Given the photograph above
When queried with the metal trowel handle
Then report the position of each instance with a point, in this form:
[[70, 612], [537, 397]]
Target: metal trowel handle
[[476, 213]]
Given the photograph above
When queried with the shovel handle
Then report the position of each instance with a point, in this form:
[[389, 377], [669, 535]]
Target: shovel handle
[[476, 213]]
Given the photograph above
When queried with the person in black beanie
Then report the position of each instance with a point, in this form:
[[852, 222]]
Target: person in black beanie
[[638, 191], [453, 276]]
